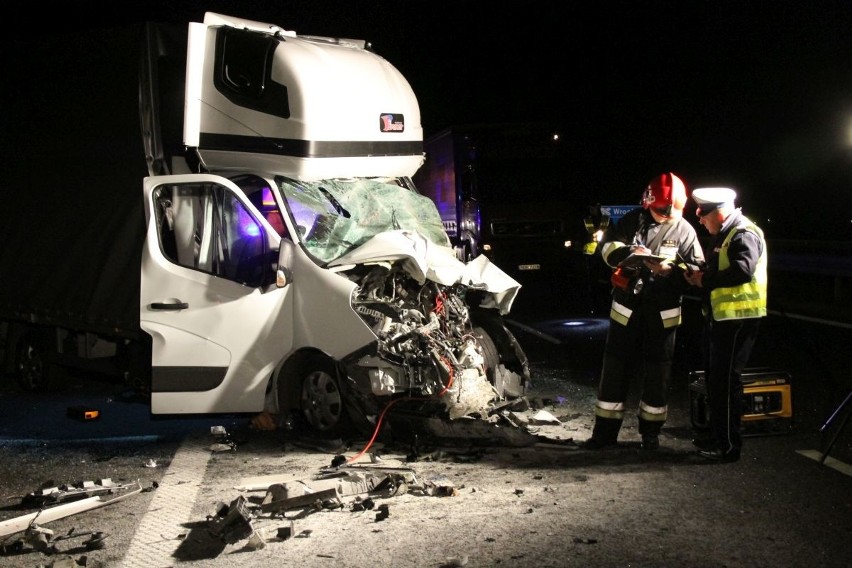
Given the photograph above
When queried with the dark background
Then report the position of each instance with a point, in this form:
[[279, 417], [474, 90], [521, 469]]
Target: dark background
[[752, 95]]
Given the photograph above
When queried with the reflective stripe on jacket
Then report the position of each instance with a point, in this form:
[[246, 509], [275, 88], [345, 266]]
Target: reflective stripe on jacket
[[657, 296]]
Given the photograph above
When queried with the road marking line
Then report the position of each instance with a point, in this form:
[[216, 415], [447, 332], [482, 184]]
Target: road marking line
[[155, 541], [840, 466]]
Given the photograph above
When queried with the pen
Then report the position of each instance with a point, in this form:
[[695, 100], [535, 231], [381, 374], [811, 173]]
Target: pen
[[689, 270]]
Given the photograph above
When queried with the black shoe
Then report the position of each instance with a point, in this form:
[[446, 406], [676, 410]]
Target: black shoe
[[597, 444], [650, 443], [704, 443], [718, 455]]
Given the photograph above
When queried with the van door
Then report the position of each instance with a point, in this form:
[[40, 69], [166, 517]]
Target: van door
[[219, 325]]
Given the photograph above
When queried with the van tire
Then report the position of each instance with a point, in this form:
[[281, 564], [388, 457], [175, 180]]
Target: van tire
[[489, 352], [509, 376], [321, 400], [32, 363]]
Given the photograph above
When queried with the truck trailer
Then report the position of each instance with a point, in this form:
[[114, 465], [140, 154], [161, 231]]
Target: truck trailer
[[508, 191], [223, 215]]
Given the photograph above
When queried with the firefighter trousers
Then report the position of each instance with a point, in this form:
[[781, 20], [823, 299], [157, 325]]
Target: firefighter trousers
[[640, 352]]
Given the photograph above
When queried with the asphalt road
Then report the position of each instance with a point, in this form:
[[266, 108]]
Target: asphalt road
[[781, 505]]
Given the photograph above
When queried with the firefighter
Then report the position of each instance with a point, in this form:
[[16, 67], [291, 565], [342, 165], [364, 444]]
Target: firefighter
[[645, 310], [734, 285]]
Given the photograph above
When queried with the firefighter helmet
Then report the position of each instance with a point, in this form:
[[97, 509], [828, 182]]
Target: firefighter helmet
[[665, 193]]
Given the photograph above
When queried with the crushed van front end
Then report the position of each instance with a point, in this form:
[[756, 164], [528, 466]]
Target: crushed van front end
[[433, 342], [437, 337]]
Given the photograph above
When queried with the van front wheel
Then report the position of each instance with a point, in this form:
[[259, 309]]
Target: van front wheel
[[322, 402]]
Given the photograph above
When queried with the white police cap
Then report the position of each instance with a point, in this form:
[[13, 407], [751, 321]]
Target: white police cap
[[710, 198]]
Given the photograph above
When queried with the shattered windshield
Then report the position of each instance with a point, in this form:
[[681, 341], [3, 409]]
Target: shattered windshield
[[335, 216]]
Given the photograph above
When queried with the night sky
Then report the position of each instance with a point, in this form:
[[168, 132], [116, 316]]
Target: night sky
[[755, 95]]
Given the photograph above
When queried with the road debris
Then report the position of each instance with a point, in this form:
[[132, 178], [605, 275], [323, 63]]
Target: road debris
[[49, 494], [85, 496], [543, 417], [21, 524], [352, 487], [232, 523], [42, 539], [223, 443], [383, 513]]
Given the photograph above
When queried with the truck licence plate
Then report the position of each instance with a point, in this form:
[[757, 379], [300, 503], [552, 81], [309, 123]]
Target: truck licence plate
[[529, 267]]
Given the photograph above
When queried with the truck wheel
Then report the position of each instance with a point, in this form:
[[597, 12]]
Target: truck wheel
[[322, 401], [31, 363]]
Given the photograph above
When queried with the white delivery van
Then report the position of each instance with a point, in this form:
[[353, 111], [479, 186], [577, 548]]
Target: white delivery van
[[289, 263]]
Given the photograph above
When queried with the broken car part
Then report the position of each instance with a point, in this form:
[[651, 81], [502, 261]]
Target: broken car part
[[22, 523], [72, 492]]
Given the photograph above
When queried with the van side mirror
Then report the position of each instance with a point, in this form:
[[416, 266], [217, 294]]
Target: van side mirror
[[284, 274]]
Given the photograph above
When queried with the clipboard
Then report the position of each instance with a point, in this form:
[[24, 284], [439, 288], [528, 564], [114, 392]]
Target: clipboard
[[638, 260]]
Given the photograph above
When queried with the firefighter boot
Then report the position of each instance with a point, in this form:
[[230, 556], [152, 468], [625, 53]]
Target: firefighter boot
[[650, 431], [652, 408], [604, 434]]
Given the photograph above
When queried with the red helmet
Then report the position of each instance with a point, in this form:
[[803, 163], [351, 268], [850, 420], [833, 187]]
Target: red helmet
[[664, 193]]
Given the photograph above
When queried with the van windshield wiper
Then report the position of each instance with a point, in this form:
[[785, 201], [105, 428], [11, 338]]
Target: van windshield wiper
[[337, 206]]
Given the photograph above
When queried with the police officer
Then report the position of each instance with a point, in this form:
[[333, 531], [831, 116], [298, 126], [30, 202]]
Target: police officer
[[645, 310], [734, 285]]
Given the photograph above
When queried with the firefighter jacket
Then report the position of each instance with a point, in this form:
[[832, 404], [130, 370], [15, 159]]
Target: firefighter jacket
[[736, 273], [676, 240]]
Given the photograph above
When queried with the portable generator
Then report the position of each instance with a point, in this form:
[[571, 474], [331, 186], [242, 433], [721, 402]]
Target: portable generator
[[767, 401]]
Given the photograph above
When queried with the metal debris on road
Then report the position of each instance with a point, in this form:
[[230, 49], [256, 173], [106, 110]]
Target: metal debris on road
[[25, 522]]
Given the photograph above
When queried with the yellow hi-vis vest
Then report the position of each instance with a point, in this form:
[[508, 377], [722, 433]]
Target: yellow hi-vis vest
[[746, 300]]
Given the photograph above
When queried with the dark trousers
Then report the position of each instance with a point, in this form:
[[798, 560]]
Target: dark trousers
[[641, 351], [727, 348]]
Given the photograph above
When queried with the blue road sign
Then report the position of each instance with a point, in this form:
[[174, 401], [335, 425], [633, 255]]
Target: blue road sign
[[616, 212]]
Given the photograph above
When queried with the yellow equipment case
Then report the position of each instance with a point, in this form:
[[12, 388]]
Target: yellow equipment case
[[767, 401]]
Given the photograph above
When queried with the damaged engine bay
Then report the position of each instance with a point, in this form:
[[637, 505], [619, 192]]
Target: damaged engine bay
[[433, 343]]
